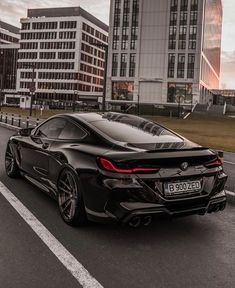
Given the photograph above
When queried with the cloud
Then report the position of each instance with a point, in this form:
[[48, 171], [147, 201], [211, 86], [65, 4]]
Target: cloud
[[227, 56], [228, 69], [13, 10]]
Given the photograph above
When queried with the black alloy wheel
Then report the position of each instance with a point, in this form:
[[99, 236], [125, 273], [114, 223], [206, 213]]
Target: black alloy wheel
[[70, 199], [11, 166]]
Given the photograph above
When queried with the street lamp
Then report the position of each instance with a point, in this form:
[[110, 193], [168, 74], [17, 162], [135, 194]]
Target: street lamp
[[74, 99], [138, 99], [105, 46], [32, 89]]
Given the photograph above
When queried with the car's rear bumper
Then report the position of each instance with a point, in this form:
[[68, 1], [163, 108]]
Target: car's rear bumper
[[215, 204], [124, 212], [122, 199]]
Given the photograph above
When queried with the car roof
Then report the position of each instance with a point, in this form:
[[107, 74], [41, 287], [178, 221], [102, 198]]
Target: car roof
[[87, 117], [92, 117]]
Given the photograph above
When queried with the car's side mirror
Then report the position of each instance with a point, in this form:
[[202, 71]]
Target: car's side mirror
[[36, 139], [25, 132]]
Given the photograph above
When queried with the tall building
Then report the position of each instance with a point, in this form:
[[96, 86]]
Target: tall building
[[9, 38], [164, 51], [8, 33], [57, 44]]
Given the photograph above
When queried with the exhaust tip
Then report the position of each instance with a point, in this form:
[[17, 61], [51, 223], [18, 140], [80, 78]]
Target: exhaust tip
[[147, 220], [135, 222]]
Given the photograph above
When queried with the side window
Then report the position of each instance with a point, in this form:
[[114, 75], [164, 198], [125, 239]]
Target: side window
[[72, 132], [52, 128]]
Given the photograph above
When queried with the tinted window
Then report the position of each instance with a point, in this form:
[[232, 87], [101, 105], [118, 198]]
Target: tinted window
[[52, 128], [135, 131], [72, 132]]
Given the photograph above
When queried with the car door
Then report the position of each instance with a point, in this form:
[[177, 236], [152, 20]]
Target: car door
[[35, 154]]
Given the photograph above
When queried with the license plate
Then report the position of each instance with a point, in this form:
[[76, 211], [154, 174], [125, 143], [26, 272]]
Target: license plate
[[176, 188]]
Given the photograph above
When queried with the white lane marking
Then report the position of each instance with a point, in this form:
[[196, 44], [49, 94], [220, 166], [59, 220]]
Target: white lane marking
[[231, 163], [230, 193], [64, 256]]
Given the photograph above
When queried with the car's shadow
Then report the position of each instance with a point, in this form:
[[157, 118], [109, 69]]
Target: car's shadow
[[160, 230]]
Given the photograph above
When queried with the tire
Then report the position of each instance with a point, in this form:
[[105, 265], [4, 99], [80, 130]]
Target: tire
[[11, 167], [70, 200]]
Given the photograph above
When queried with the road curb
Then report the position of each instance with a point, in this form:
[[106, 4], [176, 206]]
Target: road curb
[[230, 197], [8, 126]]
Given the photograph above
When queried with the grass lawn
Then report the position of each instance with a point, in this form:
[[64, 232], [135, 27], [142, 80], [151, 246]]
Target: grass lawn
[[209, 131]]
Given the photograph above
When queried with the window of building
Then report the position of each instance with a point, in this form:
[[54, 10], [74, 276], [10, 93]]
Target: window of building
[[184, 5], [180, 66], [123, 67], [134, 24], [171, 65], [25, 26], [191, 62], [173, 18], [172, 45], [182, 32], [193, 32], [115, 64], [182, 45], [116, 24], [192, 44], [194, 5], [122, 90], [183, 17], [172, 33], [193, 17], [132, 65], [125, 36], [174, 5], [68, 24], [125, 24], [180, 91]]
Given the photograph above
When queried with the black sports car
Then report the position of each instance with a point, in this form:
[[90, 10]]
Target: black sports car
[[117, 167]]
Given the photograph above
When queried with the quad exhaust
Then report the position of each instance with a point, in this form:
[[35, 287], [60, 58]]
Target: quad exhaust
[[217, 207], [136, 221]]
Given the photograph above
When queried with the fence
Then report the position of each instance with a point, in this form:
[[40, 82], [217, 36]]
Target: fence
[[18, 120]]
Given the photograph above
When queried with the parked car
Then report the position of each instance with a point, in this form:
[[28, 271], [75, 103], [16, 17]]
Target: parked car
[[117, 167]]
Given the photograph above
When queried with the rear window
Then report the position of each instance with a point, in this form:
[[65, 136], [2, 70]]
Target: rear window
[[136, 131]]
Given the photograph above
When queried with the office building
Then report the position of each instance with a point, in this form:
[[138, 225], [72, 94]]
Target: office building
[[9, 38], [164, 51], [58, 60]]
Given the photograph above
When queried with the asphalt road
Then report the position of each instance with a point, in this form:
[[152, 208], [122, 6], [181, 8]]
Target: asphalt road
[[229, 165], [187, 252]]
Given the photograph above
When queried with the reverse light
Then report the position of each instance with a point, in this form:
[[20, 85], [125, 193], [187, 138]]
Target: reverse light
[[109, 166]]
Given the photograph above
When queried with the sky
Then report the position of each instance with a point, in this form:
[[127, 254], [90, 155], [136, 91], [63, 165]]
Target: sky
[[13, 10]]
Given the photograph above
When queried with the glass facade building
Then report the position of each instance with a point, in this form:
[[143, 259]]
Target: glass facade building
[[166, 48], [212, 43]]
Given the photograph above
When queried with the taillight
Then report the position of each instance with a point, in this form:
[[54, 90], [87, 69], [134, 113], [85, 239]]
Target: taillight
[[213, 164], [109, 166]]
